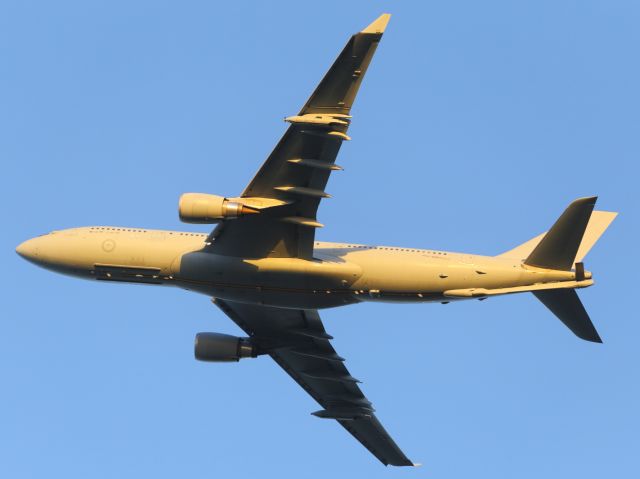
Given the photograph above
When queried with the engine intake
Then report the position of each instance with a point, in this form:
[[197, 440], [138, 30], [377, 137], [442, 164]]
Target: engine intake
[[218, 347], [204, 208]]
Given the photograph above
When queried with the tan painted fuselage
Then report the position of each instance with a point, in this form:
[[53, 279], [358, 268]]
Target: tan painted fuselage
[[339, 274]]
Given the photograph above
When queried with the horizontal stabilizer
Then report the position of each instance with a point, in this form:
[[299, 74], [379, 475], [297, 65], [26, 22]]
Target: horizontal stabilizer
[[559, 247], [566, 305]]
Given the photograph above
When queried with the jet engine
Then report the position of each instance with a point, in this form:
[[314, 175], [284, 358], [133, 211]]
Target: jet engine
[[217, 347], [204, 208]]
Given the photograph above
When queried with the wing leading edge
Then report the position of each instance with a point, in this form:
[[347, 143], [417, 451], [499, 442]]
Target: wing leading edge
[[298, 169], [298, 342]]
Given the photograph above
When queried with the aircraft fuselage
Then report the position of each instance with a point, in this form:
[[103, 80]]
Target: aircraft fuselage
[[339, 274]]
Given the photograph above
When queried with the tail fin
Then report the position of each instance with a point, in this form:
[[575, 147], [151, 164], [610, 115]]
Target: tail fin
[[598, 223], [566, 305], [559, 247], [568, 241]]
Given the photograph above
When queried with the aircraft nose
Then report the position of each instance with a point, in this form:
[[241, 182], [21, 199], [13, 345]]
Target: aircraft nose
[[28, 249], [52, 251]]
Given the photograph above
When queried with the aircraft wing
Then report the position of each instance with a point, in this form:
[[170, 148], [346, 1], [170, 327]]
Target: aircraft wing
[[298, 342], [297, 171]]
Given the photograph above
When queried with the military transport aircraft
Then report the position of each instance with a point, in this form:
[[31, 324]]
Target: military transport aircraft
[[264, 269]]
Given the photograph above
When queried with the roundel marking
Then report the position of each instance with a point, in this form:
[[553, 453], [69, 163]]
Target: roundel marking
[[108, 245]]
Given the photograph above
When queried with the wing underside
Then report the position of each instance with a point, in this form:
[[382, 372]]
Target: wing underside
[[298, 169], [298, 342]]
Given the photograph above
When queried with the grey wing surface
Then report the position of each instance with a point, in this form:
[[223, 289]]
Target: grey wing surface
[[298, 342], [298, 169]]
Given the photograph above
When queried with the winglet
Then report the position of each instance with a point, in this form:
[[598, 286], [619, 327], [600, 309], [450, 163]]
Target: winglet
[[378, 25]]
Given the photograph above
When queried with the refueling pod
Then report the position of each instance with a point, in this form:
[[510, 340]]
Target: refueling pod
[[205, 208], [218, 347]]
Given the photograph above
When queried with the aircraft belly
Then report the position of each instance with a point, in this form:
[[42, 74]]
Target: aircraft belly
[[283, 282], [339, 280]]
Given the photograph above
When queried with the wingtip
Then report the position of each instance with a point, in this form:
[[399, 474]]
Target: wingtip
[[378, 25]]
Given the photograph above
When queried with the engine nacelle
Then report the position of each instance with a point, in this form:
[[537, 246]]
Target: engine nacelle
[[204, 208], [217, 347]]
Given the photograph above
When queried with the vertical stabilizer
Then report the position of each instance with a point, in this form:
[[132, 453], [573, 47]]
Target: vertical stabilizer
[[598, 224]]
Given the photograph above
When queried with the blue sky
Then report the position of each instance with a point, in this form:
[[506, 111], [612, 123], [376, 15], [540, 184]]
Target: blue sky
[[477, 123]]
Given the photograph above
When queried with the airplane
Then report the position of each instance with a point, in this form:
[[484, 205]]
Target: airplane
[[262, 266]]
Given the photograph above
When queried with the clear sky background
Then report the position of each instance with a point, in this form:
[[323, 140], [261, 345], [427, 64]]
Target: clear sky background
[[477, 123]]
